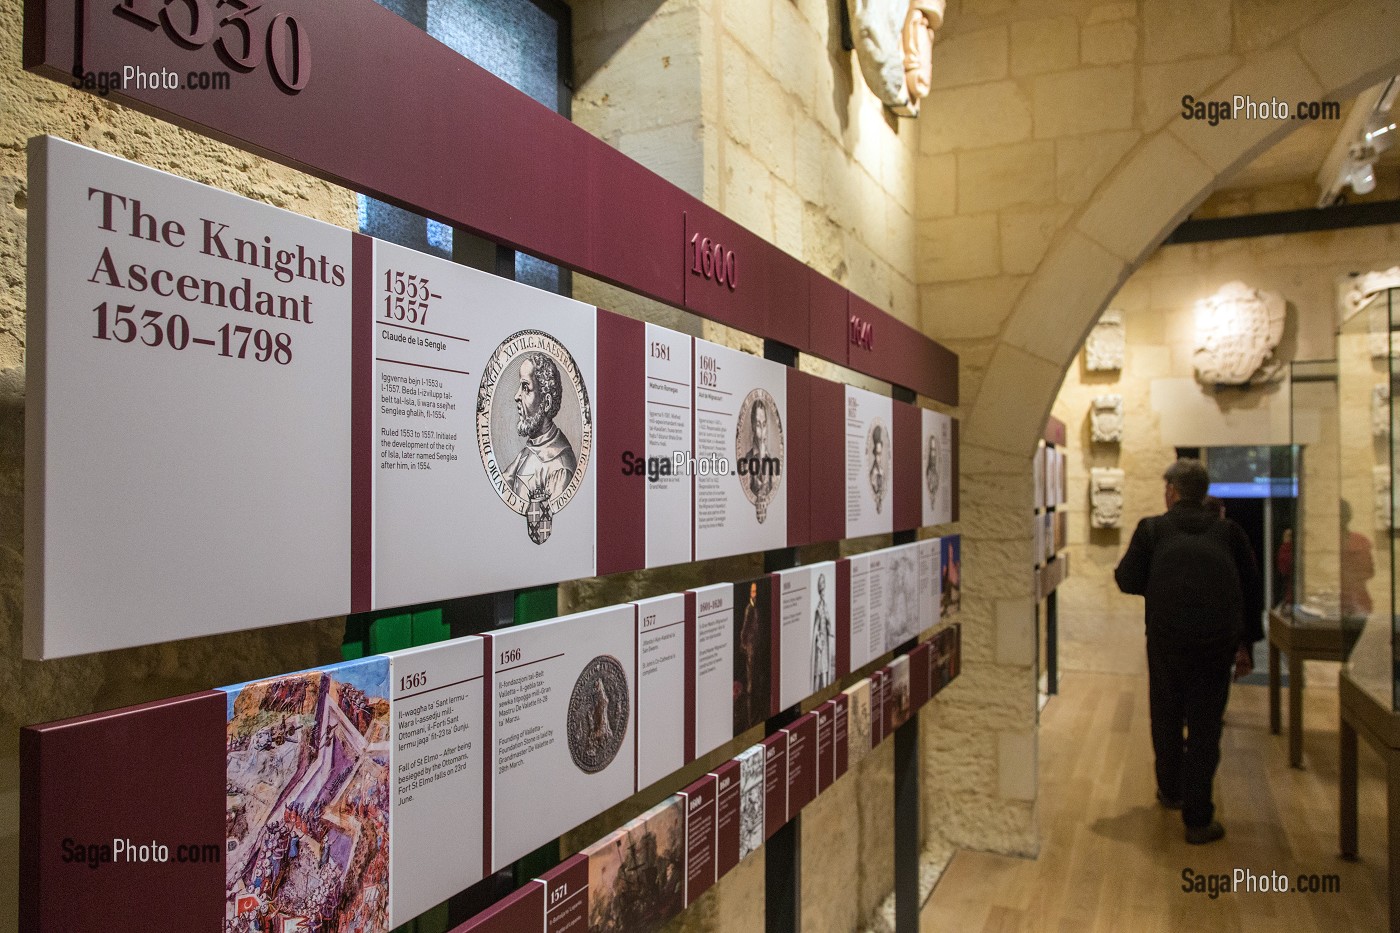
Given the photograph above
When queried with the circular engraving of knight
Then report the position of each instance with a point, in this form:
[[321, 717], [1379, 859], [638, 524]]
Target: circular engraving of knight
[[534, 427], [758, 450], [877, 461], [598, 710]]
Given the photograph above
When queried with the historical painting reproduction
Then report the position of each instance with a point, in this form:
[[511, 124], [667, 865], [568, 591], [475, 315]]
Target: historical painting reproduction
[[636, 875], [858, 722], [952, 575], [877, 462], [824, 629], [753, 653], [308, 801], [598, 711], [534, 427], [758, 450], [751, 800]]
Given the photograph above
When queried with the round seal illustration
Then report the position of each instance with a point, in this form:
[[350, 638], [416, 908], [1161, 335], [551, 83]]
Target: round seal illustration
[[877, 461], [759, 450], [534, 427], [598, 711]]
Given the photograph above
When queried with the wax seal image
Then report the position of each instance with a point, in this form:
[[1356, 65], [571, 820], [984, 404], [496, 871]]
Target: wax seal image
[[598, 711]]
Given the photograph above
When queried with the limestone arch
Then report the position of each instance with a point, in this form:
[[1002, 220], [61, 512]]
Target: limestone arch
[[1155, 186]]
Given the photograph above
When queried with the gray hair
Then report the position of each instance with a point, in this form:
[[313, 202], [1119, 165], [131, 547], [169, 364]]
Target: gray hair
[[1189, 478]]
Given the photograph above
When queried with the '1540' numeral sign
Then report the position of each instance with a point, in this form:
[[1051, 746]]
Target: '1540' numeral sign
[[713, 261], [240, 42]]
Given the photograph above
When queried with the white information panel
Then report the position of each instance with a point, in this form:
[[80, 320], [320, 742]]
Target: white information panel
[[930, 583], [806, 649], [901, 615], [876, 615], [861, 566], [483, 434], [661, 665], [711, 617], [869, 463], [670, 428], [438, 754], [563, 708], [187, 409], [741, 430], [936, 459]]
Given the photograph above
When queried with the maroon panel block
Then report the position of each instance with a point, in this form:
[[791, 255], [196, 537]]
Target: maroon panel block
[[621, 416], [775, 783], [840, 735], [690, 656], [1056, 432], [520, 912], [843, 617], [802, 763], [908, 480], [94, 789], [700, 835], [825, 750], [827, 453], [889, 349], [746, 282], [566, 896], [775, 643], [957, 476], [799, 459], [828, 309], [920, 684], [380, 95], [362, 439], [727, 824]]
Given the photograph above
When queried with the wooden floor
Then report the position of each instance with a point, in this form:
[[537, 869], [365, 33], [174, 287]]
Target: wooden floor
[[1111, 859]]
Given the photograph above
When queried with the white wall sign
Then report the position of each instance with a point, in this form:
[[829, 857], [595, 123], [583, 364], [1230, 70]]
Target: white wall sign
[[869, 463], [741, 421], [670, 417], [710, 615], [936, 463], [806, 649], [438, 756], [563, 707], [484, 432], [187, 428], [661, 701]]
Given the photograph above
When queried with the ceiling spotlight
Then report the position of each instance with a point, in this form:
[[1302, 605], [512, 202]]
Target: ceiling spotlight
[[1363, 178]]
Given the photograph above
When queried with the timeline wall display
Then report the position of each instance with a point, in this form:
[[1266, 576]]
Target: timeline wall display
[[308, 788], [930, 561], [563, 706], [802, 763], [662, 663], [701, 833], [936, 459], [775, 782], [709, 636], [752, 800], [863, 584], [436, 714], [869, 463], [741, 431], [484, 420], [188, 375], [637, 874], [729, 814], [670, 426], [901, 610]]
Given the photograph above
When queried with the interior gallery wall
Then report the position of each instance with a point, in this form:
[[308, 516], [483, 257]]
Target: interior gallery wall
[[1165, 406]]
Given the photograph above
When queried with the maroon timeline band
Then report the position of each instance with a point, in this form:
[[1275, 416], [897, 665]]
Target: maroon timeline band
[[586, 206]]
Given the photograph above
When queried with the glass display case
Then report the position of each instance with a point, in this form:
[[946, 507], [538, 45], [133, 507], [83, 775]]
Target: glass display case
[[1368, 359], [1306, 559]]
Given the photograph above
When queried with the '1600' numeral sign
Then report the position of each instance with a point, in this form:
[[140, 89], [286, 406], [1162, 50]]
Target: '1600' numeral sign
[[241, 39], [714, 261]]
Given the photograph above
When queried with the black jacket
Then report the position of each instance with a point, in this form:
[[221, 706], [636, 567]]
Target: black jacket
[[1176, 591]]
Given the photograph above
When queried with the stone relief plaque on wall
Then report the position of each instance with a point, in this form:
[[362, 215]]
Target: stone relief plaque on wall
[[1106, 419], [1364, 287], [894, 46], [1380, 479], [1106, 497], [1237, 330], [1104, 348], [1380, 410]]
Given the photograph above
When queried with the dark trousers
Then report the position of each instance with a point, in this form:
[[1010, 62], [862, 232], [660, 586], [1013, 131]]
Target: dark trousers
[[1188, 689]]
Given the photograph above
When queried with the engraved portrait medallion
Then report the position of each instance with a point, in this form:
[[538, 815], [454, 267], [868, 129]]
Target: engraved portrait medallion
[[759, 450], [598, 711], [877, 461], [534, 427]]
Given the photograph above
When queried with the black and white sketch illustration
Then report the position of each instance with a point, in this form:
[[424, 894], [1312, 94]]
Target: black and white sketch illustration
[[877, 461], [751, 801], [759, 449], [534, 427], [823, 632]]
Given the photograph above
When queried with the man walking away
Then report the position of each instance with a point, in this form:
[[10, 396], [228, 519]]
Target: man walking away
[[1204, 602]]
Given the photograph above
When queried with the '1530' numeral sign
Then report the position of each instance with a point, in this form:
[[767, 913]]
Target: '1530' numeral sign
[[713, 261], [240, 42]]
